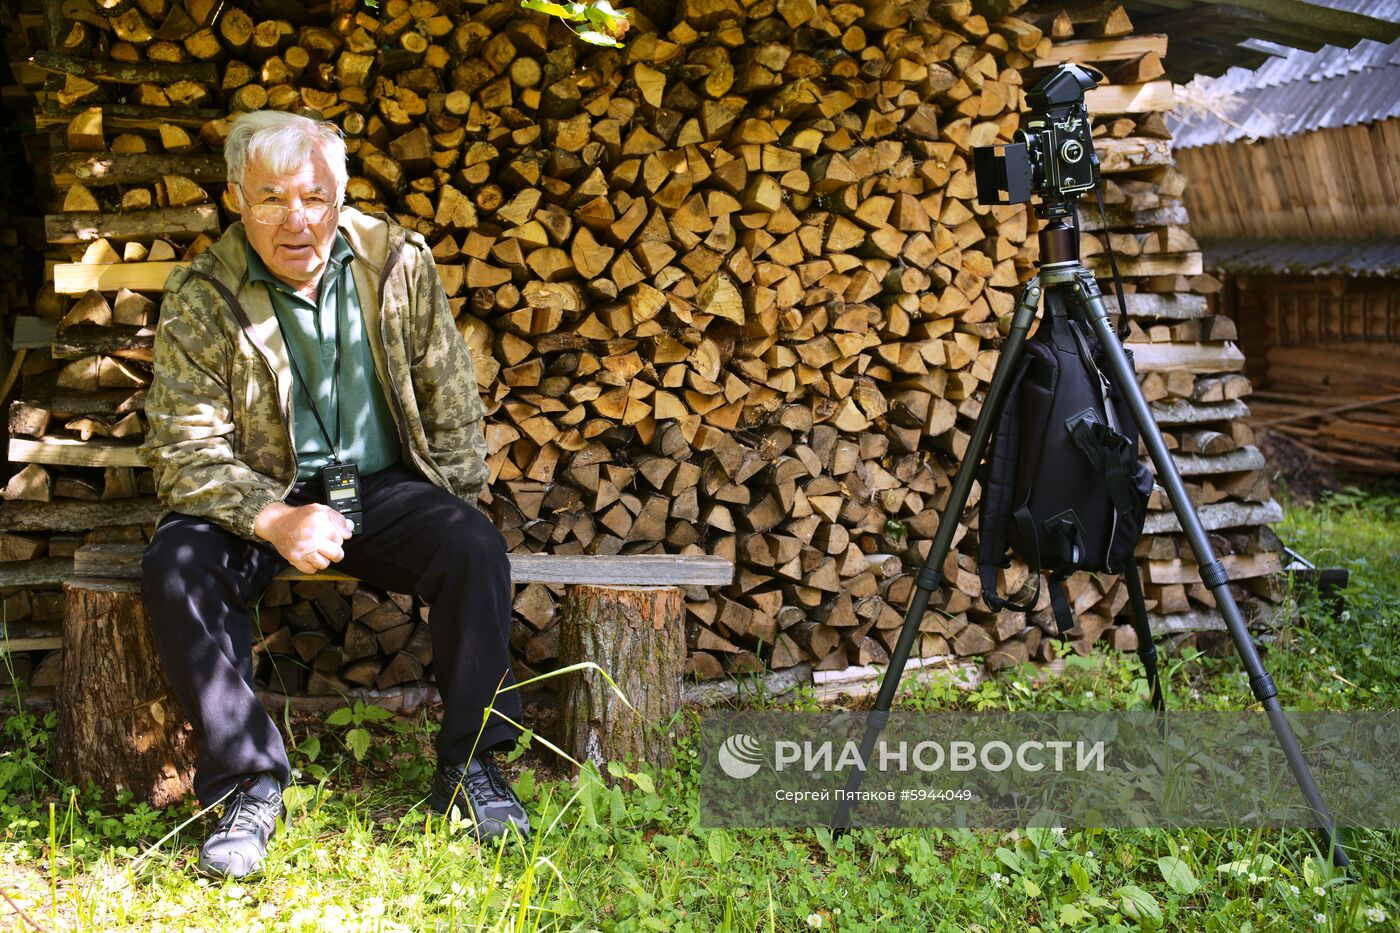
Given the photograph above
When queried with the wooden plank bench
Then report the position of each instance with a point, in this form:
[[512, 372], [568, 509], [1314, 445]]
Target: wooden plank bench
[[119, 726]]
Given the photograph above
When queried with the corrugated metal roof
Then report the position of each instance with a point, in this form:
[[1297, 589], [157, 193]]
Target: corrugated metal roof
[[1352, 258], [1209, 36], [1297, 91]]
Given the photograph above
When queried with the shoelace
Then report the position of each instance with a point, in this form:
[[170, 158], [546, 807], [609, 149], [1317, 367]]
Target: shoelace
[[486, 781], [245, 814]]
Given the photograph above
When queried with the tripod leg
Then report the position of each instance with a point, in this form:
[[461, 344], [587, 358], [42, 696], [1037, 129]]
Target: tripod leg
[[1090, 303], [930, 576], [1147, 649]]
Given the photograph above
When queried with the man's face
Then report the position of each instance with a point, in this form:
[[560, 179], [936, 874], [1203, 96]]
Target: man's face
[[295, 251]]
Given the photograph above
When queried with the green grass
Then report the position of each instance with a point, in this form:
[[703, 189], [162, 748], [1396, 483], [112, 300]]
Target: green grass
[[359, 852]]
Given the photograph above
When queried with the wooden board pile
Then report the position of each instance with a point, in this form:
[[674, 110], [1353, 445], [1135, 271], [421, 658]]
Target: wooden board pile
[[1326, 365], [1340, 421], [728, 290]]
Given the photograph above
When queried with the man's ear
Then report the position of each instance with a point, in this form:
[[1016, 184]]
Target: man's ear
[[236, 194]]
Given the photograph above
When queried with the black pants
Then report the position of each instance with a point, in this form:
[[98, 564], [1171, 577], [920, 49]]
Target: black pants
[[199, 581]]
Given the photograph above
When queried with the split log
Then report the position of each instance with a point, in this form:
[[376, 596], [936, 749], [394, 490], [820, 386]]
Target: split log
[[119, 725]]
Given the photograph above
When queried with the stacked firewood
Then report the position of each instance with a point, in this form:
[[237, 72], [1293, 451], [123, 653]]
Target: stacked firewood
[[32, 610], [728, 290]]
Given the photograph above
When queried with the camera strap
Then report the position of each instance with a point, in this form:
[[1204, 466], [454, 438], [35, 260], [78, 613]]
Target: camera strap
[[340, 324], [1113, 264]]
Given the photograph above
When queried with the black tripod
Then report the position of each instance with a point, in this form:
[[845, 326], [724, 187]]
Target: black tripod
[[1070, 288]]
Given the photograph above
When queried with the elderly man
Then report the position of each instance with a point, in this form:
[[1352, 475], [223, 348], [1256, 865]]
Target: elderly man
[[314, 405]]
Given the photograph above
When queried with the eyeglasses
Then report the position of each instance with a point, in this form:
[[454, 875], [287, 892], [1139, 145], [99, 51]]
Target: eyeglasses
[[277, 214]]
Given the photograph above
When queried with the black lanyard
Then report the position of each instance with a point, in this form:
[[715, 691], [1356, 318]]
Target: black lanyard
[[340, 324]]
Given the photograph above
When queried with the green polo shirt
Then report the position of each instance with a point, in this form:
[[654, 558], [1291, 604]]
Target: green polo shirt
[[314, 337]]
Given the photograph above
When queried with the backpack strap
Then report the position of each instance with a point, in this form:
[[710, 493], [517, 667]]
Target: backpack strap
[[1115, 459], [1122, 329], [1025, 530], [1066, 550], [1147, 648], [998, 489], [1064, 617]]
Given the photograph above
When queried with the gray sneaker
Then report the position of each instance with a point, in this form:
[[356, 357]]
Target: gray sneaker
[[238, 844], [478, 792]]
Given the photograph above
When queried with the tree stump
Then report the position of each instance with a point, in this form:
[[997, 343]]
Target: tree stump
[[119, 724], [637, 635]]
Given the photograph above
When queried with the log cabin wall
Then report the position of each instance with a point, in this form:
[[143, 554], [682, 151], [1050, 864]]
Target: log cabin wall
[[727, 288], [1308, 226], [1335, 183], [1323, 354]]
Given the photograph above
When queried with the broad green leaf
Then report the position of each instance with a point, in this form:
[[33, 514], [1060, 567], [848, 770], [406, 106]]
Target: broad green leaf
[[590, 784], [598, 38], [721, 847], [562, 10], [1251, 870], [1317, 872], [376, 714], [617, 814], [643, 781], [357, 740], [310, 747], [608, 20], [1010, 859], [1072, 915], [522, 745], [340, 717], [296, 797], [525, 784], [1031, 887], [1177, 874], [1080, 877], [1140, 906]]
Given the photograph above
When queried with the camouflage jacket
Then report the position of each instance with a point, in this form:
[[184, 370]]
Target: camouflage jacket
[[219, 409]]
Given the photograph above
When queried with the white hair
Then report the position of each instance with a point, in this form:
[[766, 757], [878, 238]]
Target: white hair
[[281, 143]]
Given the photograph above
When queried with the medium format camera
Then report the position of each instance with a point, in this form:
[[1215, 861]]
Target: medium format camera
[[1053, 154]]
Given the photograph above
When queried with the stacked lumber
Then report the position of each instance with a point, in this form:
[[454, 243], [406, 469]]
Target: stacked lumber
[[1325, 365], [1354, 426], [728, 289]]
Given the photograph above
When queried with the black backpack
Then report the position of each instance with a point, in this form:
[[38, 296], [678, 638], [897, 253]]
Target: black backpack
[[1062, 486]]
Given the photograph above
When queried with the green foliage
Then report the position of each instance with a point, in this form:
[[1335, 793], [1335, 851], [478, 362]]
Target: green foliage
[[1359, 647], [605, 25], [623, 849], [356, 737]]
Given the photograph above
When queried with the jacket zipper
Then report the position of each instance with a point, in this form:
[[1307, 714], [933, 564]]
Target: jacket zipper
[[286, 423]]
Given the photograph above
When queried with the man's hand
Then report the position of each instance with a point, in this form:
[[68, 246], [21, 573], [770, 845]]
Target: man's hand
[[308, 536]]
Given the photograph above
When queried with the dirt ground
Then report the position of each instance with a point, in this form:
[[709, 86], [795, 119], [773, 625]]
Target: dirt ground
[[1293, 466]]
